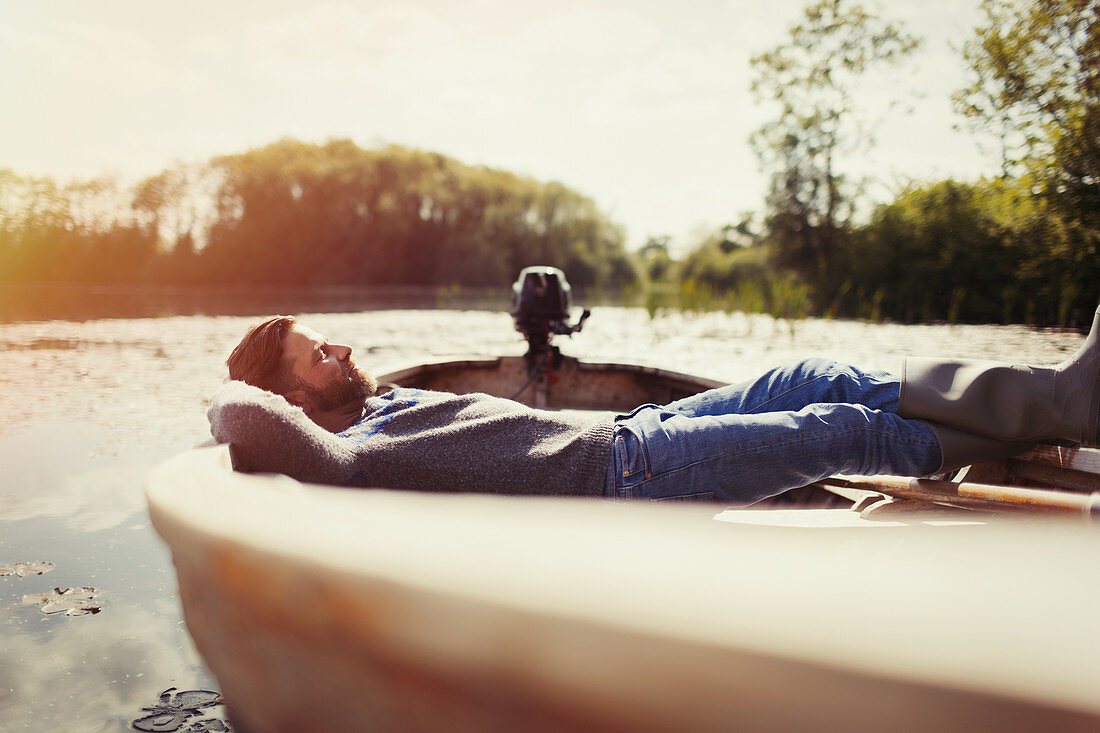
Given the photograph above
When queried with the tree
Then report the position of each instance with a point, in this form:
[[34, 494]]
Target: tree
[[1035, 82], [298, 213], [812, 79], [944, 250], [656, 261]]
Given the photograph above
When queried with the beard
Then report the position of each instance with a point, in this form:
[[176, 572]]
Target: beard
[[355, 386]]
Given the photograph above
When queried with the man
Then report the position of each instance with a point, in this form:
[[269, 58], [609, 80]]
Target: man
[[300, 405]]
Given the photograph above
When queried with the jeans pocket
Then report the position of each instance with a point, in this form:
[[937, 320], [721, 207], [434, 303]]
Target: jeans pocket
[[631, 458]]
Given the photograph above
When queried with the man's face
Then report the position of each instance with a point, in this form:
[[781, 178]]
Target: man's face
[[326, 374]]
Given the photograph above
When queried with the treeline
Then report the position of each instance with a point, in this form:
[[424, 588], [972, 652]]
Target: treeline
[[986, 252], [1024, 247], [295, 213]]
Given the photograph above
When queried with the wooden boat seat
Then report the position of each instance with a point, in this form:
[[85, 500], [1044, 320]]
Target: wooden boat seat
[[1074, 468]]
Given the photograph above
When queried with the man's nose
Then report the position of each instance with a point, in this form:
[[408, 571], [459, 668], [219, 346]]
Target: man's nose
[[340, 351]]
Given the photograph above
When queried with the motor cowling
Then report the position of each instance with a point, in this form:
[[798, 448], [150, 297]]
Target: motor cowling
[[541, 301]]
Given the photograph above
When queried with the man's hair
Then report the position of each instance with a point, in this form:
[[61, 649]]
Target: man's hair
[[257, 359]]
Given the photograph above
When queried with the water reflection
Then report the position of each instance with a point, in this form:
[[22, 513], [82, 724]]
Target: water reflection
[[52, 471], [65, 301], [96, 673], [85, 514]]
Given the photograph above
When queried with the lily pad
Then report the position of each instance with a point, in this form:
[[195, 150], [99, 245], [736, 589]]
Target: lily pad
[[173, 710], [23, 569], [208, 725], [70, 601]]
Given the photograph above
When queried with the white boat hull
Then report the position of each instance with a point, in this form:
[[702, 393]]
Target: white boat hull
[[326, 609]]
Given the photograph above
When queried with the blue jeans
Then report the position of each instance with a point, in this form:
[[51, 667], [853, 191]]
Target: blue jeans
[[792, 426]]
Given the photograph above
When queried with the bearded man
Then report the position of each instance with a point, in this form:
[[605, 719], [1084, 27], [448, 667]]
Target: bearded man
[[300, 405]]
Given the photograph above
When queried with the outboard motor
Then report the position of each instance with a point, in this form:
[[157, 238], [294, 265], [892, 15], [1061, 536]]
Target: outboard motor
[[541, 299]]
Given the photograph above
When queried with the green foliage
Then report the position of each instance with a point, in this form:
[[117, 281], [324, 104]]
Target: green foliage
[[713, 264], [780, 294], [1035, 83], [338, 214], [936, 252], [656, 260], [1020, 248], [294, 213], [71, 234], [990, 251], [811, 79], [728, 270]]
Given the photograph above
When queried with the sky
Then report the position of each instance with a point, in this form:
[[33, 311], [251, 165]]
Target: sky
[[643, 105]]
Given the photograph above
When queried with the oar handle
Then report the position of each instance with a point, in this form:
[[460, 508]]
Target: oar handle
[[979, 496]]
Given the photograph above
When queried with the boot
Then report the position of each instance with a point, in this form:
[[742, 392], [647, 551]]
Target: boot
[[960, 448], [1009, 402]]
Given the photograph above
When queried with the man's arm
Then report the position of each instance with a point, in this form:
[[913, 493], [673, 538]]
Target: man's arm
[[269, 434]]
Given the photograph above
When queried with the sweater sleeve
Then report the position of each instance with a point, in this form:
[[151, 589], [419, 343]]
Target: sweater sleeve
[[270, 435]]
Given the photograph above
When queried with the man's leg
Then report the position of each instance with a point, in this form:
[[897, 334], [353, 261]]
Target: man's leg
[[660, 453], [792, 387]]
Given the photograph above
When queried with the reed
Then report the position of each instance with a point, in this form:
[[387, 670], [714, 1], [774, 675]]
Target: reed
[[780, 296]]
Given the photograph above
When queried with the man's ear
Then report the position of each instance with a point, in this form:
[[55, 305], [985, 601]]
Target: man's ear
[[300, 398]]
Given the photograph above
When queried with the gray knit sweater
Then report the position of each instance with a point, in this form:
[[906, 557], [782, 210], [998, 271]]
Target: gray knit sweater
[[417, 439]]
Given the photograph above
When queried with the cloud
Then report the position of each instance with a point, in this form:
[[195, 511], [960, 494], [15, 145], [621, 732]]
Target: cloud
[[50, 475], [101, 668], [338, 43], [88, 501], [583, 37], [85, 58]]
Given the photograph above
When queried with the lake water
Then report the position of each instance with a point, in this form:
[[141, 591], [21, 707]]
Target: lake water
[[87, 408]]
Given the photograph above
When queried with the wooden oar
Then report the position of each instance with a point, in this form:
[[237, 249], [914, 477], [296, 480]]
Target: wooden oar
[[989, 497]]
